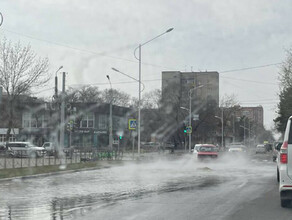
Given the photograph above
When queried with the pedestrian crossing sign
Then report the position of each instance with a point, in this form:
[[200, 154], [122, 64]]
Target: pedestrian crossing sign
[[132, 124], [189, 129]]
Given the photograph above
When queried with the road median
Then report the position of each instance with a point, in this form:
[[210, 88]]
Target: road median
[[30, 172]]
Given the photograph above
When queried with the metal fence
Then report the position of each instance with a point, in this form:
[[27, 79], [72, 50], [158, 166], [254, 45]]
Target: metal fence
[[8, 161]]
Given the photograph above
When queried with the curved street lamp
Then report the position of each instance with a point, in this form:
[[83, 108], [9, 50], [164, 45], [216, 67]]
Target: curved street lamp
[[116, 70], [139, 102], [1, 19]]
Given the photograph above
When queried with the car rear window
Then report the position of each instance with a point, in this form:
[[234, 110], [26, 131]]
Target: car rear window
[[207, 149]]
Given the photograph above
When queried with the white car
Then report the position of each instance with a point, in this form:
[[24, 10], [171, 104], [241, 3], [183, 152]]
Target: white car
[[237, 148], [50, 148], [196, 148], [261, 148], [284, 167], [26, 149]]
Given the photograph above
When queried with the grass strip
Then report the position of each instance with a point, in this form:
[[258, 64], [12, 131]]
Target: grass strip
[[27, 171]]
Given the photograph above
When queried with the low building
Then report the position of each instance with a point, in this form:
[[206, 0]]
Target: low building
[[86, 124]]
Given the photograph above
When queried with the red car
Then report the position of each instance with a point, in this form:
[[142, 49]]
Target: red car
[[207, 151]]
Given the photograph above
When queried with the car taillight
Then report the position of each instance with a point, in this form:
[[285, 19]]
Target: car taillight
[[283, 158], [285, 145]]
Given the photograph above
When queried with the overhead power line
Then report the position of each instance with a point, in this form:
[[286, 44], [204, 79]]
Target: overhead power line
[[105, 54], [249, 68]]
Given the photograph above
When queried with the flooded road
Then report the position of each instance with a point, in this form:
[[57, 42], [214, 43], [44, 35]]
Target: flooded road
[[103, 192]]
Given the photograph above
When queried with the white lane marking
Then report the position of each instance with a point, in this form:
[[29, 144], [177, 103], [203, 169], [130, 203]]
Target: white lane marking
[[243, 184]]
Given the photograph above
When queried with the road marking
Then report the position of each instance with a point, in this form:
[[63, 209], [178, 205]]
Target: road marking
[[242, 185]]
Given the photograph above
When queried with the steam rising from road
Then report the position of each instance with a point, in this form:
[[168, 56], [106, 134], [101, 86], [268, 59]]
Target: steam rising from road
[[70, 194]]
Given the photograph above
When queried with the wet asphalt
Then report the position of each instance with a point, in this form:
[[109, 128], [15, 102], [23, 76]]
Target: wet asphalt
[[176, 188]]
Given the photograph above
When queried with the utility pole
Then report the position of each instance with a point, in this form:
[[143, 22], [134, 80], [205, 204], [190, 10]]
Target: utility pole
[[190, 120], [111, 116], [233, 129], [222, 129], [62, 126], [249, 132], [244, 130], [56, 115]]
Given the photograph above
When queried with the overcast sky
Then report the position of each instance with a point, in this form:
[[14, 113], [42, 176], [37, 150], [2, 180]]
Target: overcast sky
[[89, 37]]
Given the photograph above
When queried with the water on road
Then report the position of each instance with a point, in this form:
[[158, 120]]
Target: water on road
[[77, 194]]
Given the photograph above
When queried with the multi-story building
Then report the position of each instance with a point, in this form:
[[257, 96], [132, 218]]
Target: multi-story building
[[176, 90], [254, 114], [178, 84]]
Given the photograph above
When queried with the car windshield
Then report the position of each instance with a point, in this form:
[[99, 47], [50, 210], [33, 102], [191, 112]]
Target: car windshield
[[261, 146], [207, 149], [236, 146], [116, 109]]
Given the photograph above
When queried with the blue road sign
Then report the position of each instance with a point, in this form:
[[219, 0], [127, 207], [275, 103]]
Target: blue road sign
[[132, 124]]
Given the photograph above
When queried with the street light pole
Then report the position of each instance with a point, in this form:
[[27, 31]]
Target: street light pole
[[190, 114], [244, 131], [111, 117], [139, 101], [222, 127]]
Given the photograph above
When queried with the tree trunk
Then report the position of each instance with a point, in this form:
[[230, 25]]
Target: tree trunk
[[10, 119]]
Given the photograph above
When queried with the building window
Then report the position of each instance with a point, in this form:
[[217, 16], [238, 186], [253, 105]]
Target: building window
[[3, 138], [26, 120], [102, 122], [30, 120], [87, 121]]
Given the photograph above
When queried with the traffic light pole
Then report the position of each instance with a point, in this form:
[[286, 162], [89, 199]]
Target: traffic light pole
[[190, 120], [62, 126]]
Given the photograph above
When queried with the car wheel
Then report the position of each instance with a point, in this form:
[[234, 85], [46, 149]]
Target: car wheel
[[285, 203], [278, 176]]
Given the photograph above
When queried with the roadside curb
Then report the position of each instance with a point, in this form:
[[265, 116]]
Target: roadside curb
[[103, 166]]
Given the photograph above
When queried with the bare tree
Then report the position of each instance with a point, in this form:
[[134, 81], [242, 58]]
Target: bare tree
[[20, 71], [119, 98], [230, 106], [152, 99], [84, 94]]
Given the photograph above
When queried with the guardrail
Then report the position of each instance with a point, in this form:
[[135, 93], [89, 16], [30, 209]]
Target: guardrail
[[10, 160]]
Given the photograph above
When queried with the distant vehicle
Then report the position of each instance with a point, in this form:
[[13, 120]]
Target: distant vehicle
[[261, 148], [276, 149], [5, 151], [206, 151], [284, 167], [150, 146], [237, 148], [26, 149], [50, 147], [269, 147], [196, 148]]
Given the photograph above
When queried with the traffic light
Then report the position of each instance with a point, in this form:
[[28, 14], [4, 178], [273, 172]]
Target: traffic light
[[120, 137], [185, 129]]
